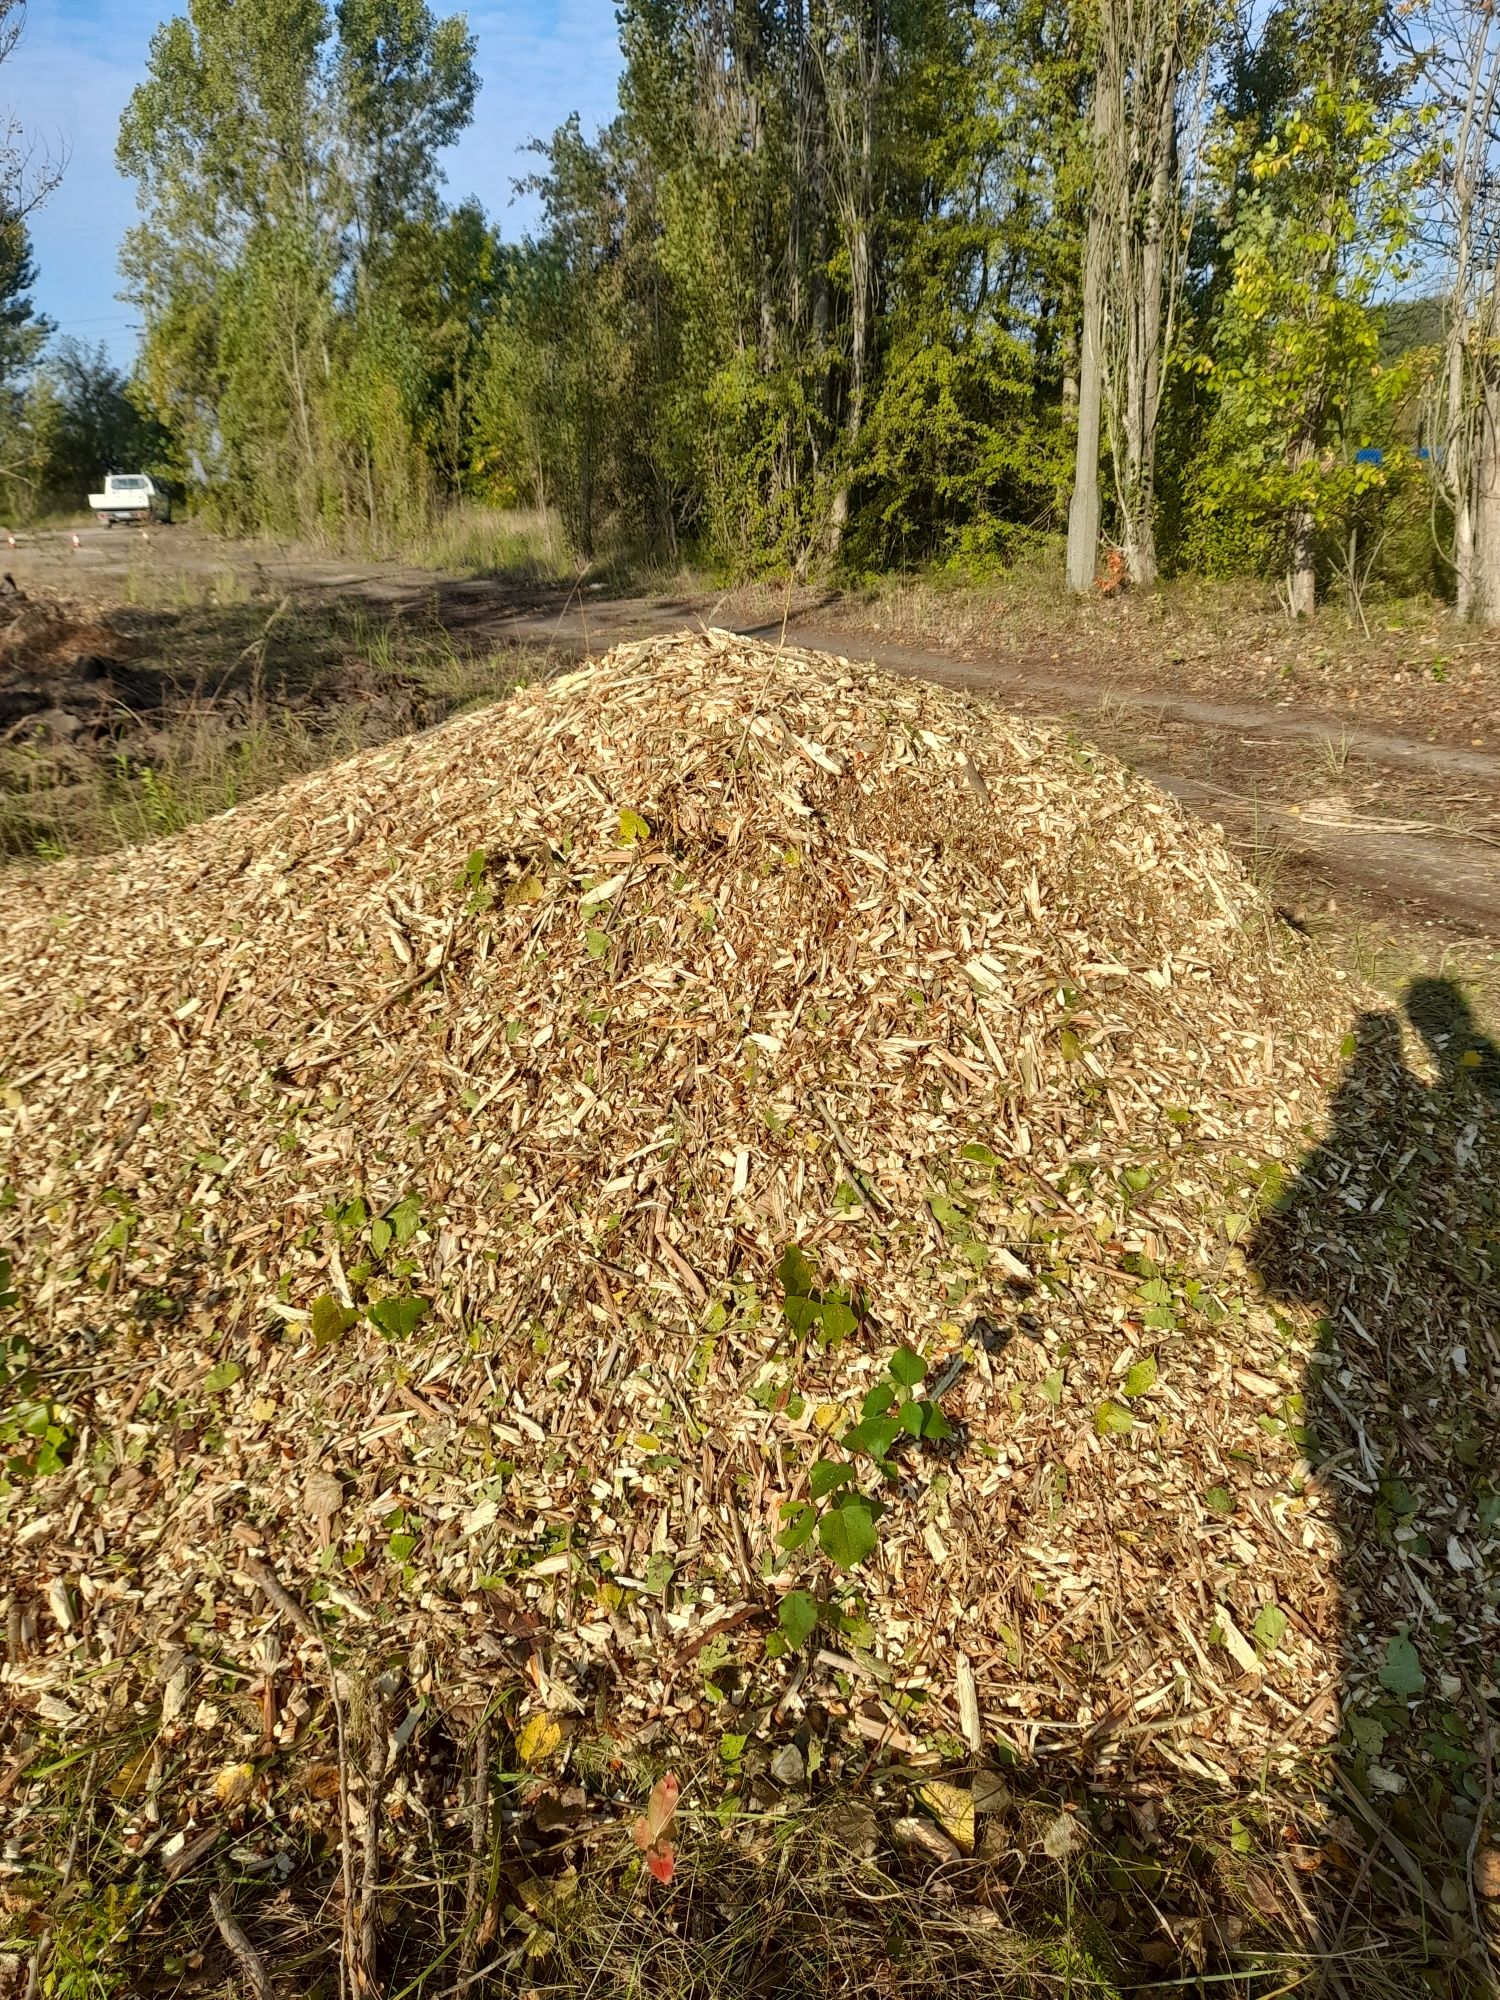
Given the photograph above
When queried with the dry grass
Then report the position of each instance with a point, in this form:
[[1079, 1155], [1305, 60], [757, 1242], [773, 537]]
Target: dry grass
[[214, 695], [515, 542]]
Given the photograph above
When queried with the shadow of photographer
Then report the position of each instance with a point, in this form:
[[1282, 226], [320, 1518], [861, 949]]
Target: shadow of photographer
[[1391, 1229]]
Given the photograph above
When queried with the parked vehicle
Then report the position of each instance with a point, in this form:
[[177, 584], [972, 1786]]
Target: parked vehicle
[[131, 496]]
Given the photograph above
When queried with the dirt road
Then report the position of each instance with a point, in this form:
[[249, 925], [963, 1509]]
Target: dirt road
[[1332, 815]]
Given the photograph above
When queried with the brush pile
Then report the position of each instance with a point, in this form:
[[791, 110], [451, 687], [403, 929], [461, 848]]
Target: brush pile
[[474, 1192]]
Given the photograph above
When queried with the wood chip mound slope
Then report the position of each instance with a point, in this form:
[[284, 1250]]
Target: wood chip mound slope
[[401, 1165]]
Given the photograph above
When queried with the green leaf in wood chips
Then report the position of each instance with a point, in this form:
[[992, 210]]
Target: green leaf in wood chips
[[798, 1616], [223, 1377], [1140, 1377], [846, 1534], [330, 1320], [1269, 1628], [873, 1435], [1112, 1420], [837, 1319], [1401, 1671], [396, 1318], [907, 1366]]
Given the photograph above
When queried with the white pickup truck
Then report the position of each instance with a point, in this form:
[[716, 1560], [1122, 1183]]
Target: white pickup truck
[[130, 496]]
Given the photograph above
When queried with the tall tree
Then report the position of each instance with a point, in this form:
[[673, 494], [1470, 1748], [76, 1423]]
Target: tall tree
[[1149, 58], [405, 85], [1460, 58], [283, 158], [28, 174], [1322, 214]]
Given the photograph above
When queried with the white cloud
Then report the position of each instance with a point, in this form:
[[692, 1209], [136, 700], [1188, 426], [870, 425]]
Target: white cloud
[[73, 72]]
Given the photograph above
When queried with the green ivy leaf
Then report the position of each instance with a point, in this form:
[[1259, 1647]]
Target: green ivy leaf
[[406, 1219], [873, 1436], [948, 1216], [223, 1377], [827, 1476], [382, 1235], [839, 1320], [632, 828], [802, 1521]]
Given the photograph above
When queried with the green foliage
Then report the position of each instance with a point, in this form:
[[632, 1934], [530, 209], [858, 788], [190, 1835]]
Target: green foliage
[[1321, 227], [285, 160], [826, 1311], [797, 1615], [36, 1433], [1401, 1670], [824, 314], [839, 1513]]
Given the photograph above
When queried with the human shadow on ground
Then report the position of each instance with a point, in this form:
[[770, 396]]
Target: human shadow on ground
[[1391, 1230]]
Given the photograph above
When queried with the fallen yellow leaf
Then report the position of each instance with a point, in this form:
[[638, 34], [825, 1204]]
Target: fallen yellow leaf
[[233, 1785], [952, 1806], [539, 1741]]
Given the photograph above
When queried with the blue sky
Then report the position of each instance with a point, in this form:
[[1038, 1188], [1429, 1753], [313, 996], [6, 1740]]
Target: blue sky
[[80, 59]]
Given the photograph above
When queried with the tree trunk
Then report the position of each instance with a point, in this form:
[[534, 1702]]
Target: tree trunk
[[1301, 578], [854, 133], [1463, 562], [1486, 559], [1083, 511]]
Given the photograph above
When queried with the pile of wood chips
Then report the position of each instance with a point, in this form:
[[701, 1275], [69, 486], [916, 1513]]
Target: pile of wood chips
[[399, 1169]]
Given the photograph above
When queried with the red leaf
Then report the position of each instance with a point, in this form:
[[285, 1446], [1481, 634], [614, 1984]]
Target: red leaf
[[650, 1831], [661, 1805]]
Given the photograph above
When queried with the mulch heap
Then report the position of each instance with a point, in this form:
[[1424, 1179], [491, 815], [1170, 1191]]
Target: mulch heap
[[471, 1203]]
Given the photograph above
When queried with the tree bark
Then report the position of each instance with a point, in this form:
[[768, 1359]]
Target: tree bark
[[1486, 561], [1301, 578], [1083, 512], [1463, 562]]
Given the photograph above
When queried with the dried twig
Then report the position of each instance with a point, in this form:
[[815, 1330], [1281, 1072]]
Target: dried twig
[[369, 1888], [244, 1954], [479, 1826]]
